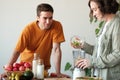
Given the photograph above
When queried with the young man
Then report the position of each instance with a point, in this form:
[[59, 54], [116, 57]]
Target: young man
[[41, 36]]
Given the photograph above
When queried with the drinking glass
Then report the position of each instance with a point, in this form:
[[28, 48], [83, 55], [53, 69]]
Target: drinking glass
[[76, 40]]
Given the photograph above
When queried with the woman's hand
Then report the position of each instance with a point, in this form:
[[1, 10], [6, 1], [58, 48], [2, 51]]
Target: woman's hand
[[82, 63], [77, 42], [77, 46]]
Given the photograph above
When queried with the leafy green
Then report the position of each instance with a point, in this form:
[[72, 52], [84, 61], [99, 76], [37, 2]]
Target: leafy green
[[91, 19], [101, 24], [67, 66], [97, 31], [99, 27], [88, 72], [91, 79], [76, 43]]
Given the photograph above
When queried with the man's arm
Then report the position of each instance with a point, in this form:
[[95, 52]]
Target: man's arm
[[57, 54], [57, 57], [13, 58]]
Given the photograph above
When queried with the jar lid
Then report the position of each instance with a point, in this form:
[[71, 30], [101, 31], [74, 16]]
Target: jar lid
[[40, 61]]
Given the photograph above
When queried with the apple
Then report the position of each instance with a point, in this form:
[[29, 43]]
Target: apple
[[27, 65], [16, 65], [15, 69], [22, 63], [8, 68], [21, 68]]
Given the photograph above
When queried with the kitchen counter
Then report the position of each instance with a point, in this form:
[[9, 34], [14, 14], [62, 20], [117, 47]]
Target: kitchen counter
[[49, 79], [85, 78], [57, 79]]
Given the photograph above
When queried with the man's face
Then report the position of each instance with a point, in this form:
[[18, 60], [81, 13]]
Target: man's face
[[45, 19], [96, 11]]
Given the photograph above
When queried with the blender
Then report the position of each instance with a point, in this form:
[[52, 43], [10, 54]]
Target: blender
[[77, 55]]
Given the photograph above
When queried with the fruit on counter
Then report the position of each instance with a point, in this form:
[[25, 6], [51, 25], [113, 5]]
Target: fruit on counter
[[22, 77], [14, 76], [16, 65], [18, 75], [22, 63], [28, 74], [15, 69], [8, 68], [53, 75], [27, 65], [46, 74], [22, 66]]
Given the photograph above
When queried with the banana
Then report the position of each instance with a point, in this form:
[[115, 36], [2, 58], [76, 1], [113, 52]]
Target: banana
[[15, 76]]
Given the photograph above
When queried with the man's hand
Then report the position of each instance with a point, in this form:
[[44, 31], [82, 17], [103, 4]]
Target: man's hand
[[6, 68], [63, 75], [3, 75]]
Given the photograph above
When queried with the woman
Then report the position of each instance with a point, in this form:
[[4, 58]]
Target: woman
[[106, 52]]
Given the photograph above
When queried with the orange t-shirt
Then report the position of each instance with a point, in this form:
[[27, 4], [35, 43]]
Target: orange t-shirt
[[33, 39]]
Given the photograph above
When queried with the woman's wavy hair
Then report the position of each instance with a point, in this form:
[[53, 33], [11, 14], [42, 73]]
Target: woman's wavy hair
[[105, 6]]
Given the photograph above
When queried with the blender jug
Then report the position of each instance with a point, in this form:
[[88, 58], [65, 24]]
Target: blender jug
[[77, 55]]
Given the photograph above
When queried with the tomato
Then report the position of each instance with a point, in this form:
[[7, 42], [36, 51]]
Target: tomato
[[53, 75]]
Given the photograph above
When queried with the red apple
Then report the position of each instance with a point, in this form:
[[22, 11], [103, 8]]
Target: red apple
[[16, 65], [27, 65], [8, 68], [21, 68], [22, 63], [15, 69]]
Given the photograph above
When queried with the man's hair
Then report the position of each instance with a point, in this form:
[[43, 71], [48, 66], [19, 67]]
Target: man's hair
[[44, 7], [106, 6]]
